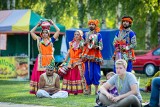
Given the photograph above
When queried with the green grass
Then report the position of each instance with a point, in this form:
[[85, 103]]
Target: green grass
[[18, 92]]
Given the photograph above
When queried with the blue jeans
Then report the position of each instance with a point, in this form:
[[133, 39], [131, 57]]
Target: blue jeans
[[154, 99]]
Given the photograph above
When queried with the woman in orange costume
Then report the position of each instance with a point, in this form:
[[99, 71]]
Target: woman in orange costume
[[46, 51], [72, 81]]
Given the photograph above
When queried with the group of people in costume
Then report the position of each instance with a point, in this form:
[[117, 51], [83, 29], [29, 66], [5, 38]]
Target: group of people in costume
[[83, 68], [84, 54]]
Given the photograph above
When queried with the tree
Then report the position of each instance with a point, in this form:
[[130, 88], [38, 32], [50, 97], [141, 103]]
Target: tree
[[158, 24]]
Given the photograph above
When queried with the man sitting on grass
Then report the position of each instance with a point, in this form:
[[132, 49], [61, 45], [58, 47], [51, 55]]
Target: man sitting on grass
[[127, 85], [49, 85]]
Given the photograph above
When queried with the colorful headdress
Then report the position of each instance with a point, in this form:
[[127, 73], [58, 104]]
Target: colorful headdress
[[96, 22], [51, 66], [128, 19], [45, 24], [80, 32]]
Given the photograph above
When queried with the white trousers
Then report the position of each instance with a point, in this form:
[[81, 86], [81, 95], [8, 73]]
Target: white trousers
[[60, 94]]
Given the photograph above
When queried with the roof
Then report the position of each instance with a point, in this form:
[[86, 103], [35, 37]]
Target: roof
[[21, 21]]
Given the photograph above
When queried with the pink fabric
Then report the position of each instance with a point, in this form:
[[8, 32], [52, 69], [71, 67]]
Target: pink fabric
[[35, 78], [72, 81]]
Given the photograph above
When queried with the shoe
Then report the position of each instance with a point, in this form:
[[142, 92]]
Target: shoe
[[75, 93], [87, 93], [147, 105], [142, 89]]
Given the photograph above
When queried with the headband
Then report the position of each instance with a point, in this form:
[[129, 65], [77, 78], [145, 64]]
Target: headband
[[127, 19]]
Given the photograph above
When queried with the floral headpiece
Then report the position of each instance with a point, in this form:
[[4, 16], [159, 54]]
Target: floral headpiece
[[80, 32], [51, 66]]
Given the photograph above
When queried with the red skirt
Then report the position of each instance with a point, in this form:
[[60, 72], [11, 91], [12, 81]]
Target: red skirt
[[72, 82], [35, 78]]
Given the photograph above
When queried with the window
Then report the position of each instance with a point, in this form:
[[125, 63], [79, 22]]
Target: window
[[156, 52]]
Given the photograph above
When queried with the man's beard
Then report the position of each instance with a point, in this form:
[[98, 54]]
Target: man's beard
[[91, 28], [126, 27]]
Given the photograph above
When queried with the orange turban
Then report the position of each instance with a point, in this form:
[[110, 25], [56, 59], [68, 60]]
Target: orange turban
[[96, 22], [126, 19]]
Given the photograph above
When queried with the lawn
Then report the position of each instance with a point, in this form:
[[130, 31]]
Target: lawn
[[18, 92]]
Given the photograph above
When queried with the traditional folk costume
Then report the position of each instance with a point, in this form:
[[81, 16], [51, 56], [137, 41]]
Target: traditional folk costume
[[92, 56], [72, 81], [46, 55], [124, 43], [44, 58]]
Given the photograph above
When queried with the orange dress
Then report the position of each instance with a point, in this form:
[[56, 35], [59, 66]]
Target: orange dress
[[72, 81], [74, 56], [93, 54], [45, 56]]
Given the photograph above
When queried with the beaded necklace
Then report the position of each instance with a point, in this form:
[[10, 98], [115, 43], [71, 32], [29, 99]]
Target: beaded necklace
[[50, 80], [120, 84]]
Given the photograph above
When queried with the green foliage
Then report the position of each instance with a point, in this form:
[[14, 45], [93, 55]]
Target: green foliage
[[74, 13], [3, 5]]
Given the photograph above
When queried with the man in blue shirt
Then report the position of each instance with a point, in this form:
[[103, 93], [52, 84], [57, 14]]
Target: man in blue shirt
[[124, 42]]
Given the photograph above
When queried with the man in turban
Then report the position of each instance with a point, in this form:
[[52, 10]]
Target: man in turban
[[92, 55], [124, 43], [49, 84]]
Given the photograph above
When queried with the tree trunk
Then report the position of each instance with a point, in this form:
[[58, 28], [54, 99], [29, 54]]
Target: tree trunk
[[118, 15], [159, 29], [103, 26], [88, 14], [8, 4], [148, 32], [81, 13], [13, 4]]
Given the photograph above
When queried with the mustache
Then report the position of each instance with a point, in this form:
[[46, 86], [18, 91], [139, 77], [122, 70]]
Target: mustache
[[91, 28]]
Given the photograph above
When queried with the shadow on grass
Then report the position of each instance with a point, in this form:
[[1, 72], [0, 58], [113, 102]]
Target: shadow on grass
[[71, 101]]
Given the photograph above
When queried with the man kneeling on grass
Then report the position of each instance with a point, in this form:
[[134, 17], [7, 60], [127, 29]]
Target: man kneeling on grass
[[49, 85], [127, 85]]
